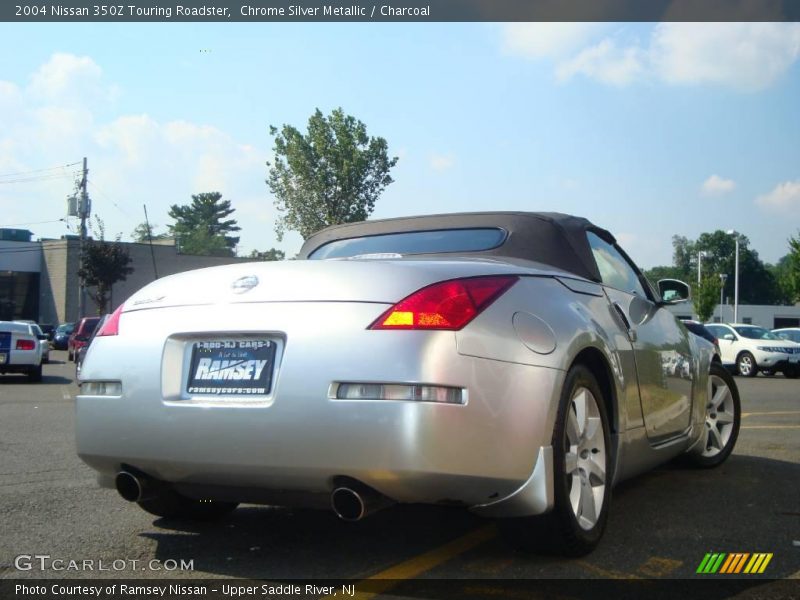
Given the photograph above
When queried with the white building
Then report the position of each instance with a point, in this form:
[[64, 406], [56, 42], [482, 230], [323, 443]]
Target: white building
[[770, 317]]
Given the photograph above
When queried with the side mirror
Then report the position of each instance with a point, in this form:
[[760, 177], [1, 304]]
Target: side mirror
[[730, 337], [674, 291]]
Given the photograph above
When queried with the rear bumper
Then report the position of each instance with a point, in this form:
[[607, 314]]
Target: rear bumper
[[20, 361], [298, 439]]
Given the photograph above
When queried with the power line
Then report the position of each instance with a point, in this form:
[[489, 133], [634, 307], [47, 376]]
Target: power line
[[107, 197], [40, 170], [41, 178], [32, 223]]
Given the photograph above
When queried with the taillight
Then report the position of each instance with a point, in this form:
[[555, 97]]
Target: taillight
[[26, 345], [448, 305], [111, 326]]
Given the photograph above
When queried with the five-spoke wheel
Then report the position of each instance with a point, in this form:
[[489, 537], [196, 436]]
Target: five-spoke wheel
[[723, 414], [585, 457]]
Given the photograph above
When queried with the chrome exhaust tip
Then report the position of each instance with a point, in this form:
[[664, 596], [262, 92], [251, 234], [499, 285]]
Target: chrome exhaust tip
[[348, 504], [356, 502], [135, 488]]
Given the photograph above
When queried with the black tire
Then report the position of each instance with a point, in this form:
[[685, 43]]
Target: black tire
[[172, 505], [35, 374], [708, 454], [792, 373], [559, 531], [746, 365]]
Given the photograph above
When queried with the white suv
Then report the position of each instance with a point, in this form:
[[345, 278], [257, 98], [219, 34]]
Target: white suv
[[755, 349]]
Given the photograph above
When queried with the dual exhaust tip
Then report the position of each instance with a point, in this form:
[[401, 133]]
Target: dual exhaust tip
[[349, 503], [136, 488], [355, 503]]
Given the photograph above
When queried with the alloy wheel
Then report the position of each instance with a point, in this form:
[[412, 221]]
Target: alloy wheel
[[745, 365], [720, 416], [585, 462]]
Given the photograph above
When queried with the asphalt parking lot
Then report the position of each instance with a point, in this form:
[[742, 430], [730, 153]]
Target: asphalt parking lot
[[661, 524]]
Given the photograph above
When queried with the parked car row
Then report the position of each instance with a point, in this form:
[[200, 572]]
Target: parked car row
[[25, 345], [755, 349]]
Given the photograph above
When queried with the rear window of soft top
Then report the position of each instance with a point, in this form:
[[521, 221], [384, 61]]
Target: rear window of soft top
[[414, 242]]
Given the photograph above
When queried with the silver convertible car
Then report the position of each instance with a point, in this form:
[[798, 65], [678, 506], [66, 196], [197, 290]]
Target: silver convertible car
[[516, 364]]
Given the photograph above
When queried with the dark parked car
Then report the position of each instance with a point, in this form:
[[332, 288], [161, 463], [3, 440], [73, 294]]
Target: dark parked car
[[701, 330], [80, 336], [48, 330], [61, 336], [81, 353]]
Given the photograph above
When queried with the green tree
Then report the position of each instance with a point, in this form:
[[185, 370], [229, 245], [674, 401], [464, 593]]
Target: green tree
[[102, 265], [332, 175], [684, 255], [143, 233], [663, 272], [790, 275], [270, 255], [706, 297], [757, 285], [202, 227]]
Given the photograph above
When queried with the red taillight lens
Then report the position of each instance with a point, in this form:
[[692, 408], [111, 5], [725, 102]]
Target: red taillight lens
[[111, 326], [446, 305], [26, 345]]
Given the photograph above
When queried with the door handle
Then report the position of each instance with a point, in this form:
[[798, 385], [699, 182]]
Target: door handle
[[628, 329]]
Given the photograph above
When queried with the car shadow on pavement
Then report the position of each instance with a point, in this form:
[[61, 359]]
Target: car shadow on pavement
[[661, 525]]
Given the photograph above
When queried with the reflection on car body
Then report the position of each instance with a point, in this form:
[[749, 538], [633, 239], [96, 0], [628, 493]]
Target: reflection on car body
[[517, 364]]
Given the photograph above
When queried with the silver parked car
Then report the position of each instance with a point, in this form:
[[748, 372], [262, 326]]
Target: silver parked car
[[517, 364]]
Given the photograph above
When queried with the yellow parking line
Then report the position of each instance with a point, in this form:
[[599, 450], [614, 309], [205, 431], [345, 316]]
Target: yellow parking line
[[771, 427], [413, 567], [776, 412], [607, 573], [657, 566]]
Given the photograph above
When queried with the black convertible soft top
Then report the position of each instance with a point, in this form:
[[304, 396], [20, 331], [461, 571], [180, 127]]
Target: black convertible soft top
[[551, 238]]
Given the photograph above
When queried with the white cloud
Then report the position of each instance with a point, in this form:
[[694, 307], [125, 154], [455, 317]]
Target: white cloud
[[442, 162], [716, 185], [605, 62], [68, 79], [133, 158], [743, 56], [784, 198], [546, 40]]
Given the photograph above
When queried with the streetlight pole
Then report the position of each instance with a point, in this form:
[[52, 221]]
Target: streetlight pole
[[724, 278], [700, 255], [736, 279]]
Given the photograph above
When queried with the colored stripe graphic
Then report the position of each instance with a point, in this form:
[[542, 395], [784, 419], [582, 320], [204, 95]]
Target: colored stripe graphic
[[737, 563], [711, 562], [734, 563], [758, 563]]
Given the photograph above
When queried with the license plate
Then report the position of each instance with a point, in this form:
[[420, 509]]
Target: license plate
[[231, 367]]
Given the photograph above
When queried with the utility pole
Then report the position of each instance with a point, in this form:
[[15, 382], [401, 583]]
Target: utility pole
[[84, 208]]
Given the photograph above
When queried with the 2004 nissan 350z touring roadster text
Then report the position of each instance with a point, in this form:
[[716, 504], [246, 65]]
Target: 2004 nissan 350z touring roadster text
[[517, 364]]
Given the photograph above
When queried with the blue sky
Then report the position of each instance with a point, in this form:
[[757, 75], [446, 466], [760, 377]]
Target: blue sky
[[649, 130]]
